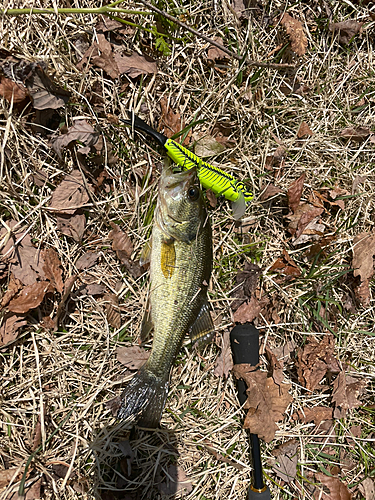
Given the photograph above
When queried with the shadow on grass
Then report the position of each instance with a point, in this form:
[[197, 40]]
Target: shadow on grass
[[135, 464]]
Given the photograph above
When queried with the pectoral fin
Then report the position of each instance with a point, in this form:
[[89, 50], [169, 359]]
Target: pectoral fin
[[202, 330], [147, 324], [145, 254], [168, 258]]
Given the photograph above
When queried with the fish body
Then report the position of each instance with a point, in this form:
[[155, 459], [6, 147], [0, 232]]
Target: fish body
[[211, 177], [180, 269]]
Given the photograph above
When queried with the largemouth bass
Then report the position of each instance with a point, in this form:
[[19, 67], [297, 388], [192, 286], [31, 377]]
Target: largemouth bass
[[180, 269]]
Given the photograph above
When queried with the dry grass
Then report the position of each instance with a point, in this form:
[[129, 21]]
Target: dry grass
[[48, 375]]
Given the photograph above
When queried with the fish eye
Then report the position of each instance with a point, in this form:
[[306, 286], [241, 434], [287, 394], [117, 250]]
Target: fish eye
[[193, 193]]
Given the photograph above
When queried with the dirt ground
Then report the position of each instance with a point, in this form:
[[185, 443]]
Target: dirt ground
[[291, 113]]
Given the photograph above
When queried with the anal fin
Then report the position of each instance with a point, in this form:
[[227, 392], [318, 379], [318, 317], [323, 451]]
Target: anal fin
[[202, 330]]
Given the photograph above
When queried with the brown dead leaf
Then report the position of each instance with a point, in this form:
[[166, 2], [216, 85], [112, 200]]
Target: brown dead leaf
[[135, 64], [26, 261], [295, 192], [270, 192], [214, 53], [52, 268], [286, 266], [363, 254], [337, 489], [9, 326], [276, 160], [72, 225], [175, 482], [224, 362], [115, 60], [287, 460], [246, 284], [276, 367], [6, 475], [121, 242], [363, 266], [211, 198], [81, 132], [266, 401], [357, 134], [34, 491], [170, 121], [123, 246], [87, 260], [346, 30], [132, 357], [68, 285], [14, 286], [247, 312], [317, 414], [367, 488], [304, 130], [44, 93], [30, 297], [208, 146], [346, 391], [112, 310], [12, 91], [295, 31], [316, 359], [70, 194]]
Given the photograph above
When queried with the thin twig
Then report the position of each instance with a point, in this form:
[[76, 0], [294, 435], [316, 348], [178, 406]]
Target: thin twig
[[247, 61]]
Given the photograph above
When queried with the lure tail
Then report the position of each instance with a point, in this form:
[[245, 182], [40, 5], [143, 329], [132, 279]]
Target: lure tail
[[143, 399], [142, 126]]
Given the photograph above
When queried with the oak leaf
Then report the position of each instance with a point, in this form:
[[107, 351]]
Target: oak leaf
[[246, 283], [286, 266], [6, 475], [367, 488], [314, 360], [346, 391], [266, 402], [214, 53], [295, 31], [247, 311], [270, 191], [316, 414]]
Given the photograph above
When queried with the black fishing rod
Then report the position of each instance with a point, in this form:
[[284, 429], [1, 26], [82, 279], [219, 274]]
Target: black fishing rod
[[245, 348]]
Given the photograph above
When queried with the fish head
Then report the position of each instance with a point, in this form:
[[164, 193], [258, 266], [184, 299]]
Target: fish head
[[181, 209]]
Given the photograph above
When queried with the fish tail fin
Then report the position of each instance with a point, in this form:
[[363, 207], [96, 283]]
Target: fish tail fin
[[143, 399], [138, 124]]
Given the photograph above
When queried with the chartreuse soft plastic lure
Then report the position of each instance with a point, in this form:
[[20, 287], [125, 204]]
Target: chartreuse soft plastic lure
[[220, 182]]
